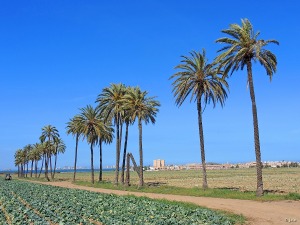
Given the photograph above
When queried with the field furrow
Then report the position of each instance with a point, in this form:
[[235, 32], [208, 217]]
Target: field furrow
[[34, 210], [17, 212], [4, 217]]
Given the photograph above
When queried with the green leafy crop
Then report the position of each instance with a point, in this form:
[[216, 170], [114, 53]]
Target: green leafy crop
[[30, 203]]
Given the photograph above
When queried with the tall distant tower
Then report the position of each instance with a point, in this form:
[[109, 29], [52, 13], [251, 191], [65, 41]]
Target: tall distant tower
[[158, 164]]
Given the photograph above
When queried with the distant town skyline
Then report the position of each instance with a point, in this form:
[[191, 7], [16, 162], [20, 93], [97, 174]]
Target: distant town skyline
[[246, 165]]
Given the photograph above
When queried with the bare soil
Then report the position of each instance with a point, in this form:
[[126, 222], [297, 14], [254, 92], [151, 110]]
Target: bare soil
[[279, 180], [257, 213]]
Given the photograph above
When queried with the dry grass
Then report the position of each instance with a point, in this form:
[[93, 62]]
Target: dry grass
[[275, 179]]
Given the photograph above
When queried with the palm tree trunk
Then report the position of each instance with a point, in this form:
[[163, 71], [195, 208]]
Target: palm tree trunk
[[27, 168], [51, 171], [117, 152], [36, 168], [199, 109], [120, 142], [259, 190], [42, 165], [124, 153], [31, 168], [54, 169], [48, 157], [141, 183], [46, 167], [75, 163], [100, 149], [92, 163], [127, 182], [18, 170], [135, 167], [24, 169], [121, 134]]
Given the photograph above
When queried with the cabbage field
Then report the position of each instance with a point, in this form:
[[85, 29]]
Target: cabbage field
[[23, 203]]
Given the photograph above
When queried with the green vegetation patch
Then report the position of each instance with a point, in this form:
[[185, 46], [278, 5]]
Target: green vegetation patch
[[197, 192], [47, 204]]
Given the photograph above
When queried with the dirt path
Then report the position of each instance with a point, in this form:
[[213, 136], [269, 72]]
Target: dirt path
[[257, 213]]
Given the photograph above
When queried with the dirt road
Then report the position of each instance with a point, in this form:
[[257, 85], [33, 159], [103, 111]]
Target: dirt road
[[257, 213]]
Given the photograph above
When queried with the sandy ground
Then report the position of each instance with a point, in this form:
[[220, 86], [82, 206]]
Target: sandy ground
[[264, 213]]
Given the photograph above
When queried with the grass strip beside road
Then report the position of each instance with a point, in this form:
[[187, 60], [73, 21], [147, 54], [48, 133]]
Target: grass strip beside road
[[197, 192]]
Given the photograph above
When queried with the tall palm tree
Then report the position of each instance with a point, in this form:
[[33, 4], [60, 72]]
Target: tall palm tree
[[91, 128], [18, 161], [43, 151], [199, 80], [27, 149], [31, 159], [127, 120], [142, 108], [37, 155], [49, 133], [110, 105], [23, 158], [73, 127], [105, 136], [242, 48], [59, 148]]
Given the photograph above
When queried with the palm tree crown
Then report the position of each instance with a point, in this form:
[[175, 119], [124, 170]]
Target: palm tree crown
[[59, 146], [198, 79], [91, 124], [243, 46], [109, 101], [73, 126], [139, 106], [49, 132]]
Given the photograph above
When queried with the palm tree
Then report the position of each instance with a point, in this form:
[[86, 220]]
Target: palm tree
[[27, 149], [200, 80], [18, 161], [105, 136], [142, 108], [37, 155], [59, 148], [110, 106], [91, 128], [31, 158], [21, 158], [242, 48], [127, 120], [43, 151], [50, 133], [73, 127]]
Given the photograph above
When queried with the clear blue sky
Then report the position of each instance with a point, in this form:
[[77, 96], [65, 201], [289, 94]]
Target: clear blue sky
[[57, 56]]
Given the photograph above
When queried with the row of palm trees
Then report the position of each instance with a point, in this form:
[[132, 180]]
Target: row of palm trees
[[50, 145], [117, 105], [205, 82]]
